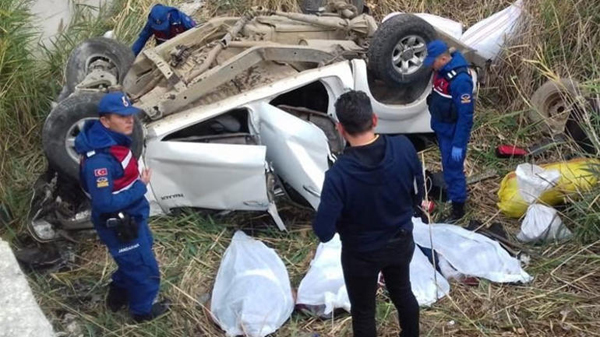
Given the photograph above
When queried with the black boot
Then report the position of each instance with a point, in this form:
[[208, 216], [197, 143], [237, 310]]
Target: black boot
[[158, 309], [116, 298], [458, 212]]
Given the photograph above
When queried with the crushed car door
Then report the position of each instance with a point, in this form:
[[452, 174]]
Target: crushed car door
[[214, 176], [298, 150]]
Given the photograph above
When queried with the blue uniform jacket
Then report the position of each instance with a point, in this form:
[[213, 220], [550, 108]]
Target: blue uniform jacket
[[99, 171], [455, 94], [176, 18]]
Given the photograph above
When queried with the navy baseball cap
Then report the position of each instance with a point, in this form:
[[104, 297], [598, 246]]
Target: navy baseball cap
[[435, 48], [116, 103], [159, 17]]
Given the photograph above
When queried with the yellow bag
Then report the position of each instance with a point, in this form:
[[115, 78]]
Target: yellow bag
[[575, 176]]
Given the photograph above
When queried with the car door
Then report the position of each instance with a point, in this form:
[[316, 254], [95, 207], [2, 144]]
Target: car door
[[215, 176], [223, 171], [298, 150]]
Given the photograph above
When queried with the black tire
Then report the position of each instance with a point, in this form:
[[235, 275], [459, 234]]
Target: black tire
[[552, 105], [62, 124], [99, 47], [312, 6], [402, 28]]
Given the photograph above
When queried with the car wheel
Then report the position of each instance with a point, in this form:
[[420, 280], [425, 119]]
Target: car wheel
[[398, 49], [312, 6], [65, 122], [117, 54], [552, 105]]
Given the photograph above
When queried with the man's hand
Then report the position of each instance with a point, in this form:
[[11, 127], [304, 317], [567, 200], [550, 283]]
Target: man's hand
[[457, 153], [145, 176]]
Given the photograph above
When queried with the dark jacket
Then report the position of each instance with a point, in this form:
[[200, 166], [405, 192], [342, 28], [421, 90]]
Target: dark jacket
[[370, 194], [452, 103], [112, 187]]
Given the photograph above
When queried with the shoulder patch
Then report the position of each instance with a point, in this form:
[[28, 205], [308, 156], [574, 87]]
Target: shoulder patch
[[465, 99], [102, 182], [101, 172]]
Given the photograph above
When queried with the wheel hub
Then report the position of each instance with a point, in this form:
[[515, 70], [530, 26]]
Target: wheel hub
[[409, 54], [74, 130]]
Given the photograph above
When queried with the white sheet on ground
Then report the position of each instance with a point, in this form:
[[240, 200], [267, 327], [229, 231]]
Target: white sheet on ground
[[324, 284], [542, 223], [426, 287], [252, 295], [470, 253]]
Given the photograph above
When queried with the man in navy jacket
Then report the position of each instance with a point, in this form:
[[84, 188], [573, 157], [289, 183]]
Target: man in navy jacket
[[369, 197], [110, 175], [451, 104], [164, 23]]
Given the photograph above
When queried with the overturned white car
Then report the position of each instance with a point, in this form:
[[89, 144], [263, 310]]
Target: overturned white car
[[238, 110]]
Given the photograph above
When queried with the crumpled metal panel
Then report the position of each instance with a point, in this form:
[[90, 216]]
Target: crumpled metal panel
[[298, 150]]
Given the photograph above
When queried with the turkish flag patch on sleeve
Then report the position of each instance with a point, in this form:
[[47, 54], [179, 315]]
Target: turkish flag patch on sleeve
[[101, 172]]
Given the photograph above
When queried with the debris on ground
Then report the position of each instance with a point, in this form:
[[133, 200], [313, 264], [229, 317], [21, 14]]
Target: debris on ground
[[542, 223], [516, 192], [513, 151], [73, 328]]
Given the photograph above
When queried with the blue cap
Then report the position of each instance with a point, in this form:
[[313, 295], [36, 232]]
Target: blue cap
[[434, 49], [159, 17], [116, 103]]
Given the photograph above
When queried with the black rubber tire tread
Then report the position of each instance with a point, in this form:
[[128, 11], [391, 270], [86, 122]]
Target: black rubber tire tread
[[119, 54], [67, 113], [551, 90], [385, 40]]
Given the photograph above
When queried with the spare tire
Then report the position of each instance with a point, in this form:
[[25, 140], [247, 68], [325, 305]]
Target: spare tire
[[116, 53], [65, 122], [398, 49], [552, 105]]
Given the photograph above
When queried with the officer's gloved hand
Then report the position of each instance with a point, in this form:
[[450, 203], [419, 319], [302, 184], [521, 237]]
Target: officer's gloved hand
[[457, 153]]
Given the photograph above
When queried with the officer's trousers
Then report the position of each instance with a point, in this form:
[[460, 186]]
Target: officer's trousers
[[137, 271], [454, 172]]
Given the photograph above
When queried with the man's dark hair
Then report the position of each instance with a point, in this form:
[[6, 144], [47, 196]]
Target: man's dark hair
[[354, 111]]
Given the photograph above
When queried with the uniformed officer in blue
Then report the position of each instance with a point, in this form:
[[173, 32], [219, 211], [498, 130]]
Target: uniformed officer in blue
[[164, 23], [110, 175], [451, 105]]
